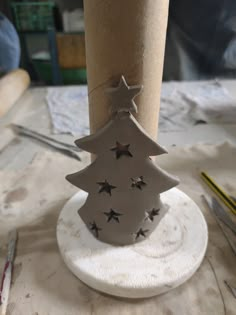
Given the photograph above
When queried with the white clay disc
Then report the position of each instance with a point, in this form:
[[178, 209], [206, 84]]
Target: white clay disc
[[163, 261]]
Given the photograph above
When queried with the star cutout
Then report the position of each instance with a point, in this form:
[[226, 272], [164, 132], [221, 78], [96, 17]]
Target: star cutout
[[121, 149], [141, 232], [138, 182], [105, 187], [151, 214], [123, 95], [113, 215], [94, 228]]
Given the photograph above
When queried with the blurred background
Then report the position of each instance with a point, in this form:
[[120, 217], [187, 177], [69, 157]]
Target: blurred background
[[45, 36]]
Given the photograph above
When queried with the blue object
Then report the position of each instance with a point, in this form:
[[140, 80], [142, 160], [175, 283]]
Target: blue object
[[9, 46]]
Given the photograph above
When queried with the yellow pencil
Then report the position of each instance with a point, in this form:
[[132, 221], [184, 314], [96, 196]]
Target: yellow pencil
[[228, 201]]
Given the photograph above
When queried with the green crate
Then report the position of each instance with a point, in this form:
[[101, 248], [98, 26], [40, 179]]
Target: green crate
[[33, 16], [69, 76]]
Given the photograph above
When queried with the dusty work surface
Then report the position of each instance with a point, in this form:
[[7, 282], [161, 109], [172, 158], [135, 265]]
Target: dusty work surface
[[33, 191], [32, 197]]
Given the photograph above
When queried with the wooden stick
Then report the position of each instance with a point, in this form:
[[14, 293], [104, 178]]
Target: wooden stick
[[12, 86], [228, 201]]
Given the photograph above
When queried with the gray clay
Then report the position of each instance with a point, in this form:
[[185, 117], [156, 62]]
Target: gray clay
[[124, 184]]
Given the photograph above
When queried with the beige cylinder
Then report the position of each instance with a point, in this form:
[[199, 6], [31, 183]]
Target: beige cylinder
[[125, 37], [12, 86]]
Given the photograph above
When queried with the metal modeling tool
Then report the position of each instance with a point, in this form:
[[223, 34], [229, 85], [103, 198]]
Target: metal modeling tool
[[65, 148]]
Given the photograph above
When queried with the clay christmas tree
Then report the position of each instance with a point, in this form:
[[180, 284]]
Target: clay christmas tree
[[124, 184]]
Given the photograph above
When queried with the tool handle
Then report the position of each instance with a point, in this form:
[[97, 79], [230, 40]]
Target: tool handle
[[228, 201]]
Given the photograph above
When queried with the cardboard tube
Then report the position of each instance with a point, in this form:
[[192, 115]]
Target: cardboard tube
[[125, 37]]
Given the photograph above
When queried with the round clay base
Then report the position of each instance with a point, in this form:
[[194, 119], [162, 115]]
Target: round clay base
[[163, 261]]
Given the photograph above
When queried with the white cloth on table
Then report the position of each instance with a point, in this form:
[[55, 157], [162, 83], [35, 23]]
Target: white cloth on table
[[182, 105], [68, 107]]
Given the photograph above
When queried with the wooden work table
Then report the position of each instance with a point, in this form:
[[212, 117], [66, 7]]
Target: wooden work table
[[33, 191]]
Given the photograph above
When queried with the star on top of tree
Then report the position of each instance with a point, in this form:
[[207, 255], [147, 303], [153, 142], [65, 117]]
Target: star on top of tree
[[123, 95]]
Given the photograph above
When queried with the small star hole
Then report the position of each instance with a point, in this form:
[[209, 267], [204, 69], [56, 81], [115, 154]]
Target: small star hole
[[112, 215], [105, 187], [122, 150], [95, 229], [138, 183], [151, 214], [140, 233]]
